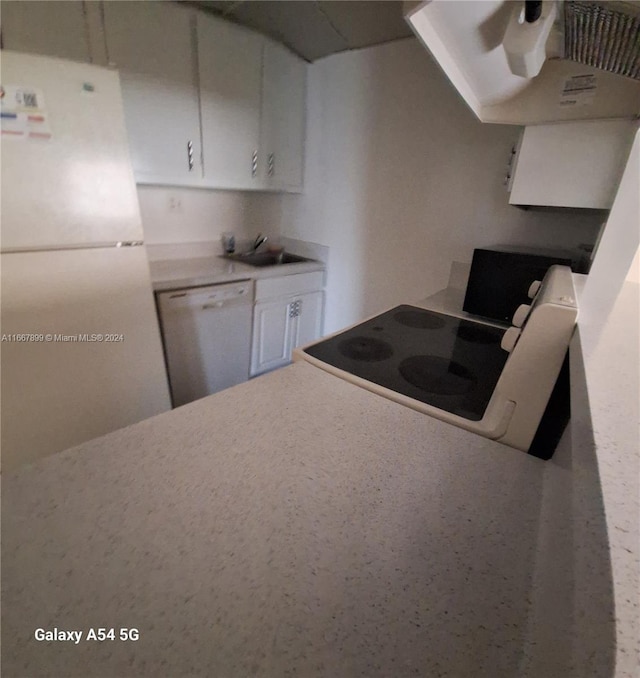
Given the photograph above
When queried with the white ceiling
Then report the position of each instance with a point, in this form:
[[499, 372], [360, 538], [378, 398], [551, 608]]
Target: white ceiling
[[316, 28]]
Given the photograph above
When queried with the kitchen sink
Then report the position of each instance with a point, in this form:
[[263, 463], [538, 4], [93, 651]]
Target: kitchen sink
[[267, 258]]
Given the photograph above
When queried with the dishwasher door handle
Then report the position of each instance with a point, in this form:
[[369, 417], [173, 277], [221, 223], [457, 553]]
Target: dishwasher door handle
[[217, 304]]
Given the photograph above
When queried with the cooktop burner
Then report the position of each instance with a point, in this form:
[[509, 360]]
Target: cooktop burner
[[444, 361], [437, 375], [420, 320], [366, 349]]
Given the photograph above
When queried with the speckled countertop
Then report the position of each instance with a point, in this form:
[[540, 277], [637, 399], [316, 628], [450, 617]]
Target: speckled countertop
[[193, 271], [606, 439], [297, 525]]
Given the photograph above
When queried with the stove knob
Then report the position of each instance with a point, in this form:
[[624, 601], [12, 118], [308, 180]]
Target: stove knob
[[533, 289], [509, 339], [521, 314]]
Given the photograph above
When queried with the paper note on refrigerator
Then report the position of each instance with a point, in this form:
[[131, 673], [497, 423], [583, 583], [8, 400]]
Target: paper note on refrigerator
[[22, 113]]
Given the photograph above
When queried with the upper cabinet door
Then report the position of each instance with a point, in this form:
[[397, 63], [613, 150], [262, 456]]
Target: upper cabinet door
[[55, 29], [283, 117], [230, 67], [572, 164], [151, 43]]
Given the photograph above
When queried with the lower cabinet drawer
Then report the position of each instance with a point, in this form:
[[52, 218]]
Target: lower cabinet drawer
[[288, 285]]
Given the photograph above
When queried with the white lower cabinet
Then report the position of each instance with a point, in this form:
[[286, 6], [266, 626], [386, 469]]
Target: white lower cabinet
[[308, 319], [287, 314], [272, 323]]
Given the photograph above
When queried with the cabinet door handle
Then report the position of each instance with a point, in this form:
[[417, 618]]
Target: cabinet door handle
[[271, 164], [190, 155], [294, 309], [254, 164]]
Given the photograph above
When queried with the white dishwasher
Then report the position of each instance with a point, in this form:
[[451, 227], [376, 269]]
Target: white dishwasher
[[207, 338]]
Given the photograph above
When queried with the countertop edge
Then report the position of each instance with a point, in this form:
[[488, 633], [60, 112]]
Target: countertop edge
[[173, 274], [606, 443]]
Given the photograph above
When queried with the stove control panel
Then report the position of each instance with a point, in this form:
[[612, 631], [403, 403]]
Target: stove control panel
[[537, 344]]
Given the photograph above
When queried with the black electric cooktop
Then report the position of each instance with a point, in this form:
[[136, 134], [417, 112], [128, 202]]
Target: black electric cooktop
[[446, 362]]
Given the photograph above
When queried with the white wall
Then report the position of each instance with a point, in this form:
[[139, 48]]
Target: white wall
[[634, 271], [193, 215], [616, 256], [400, 180]]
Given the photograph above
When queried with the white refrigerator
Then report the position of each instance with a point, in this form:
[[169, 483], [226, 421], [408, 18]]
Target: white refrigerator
[[81, 353]]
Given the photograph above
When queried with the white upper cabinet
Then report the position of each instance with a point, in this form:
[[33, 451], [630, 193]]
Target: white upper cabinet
[[151, 43], [230, 67], [283, 118], [252, 103], [56, 29], [207, 103], [573, 164]]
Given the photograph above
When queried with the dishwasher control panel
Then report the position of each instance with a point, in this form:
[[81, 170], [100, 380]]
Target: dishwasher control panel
[[217, 295]]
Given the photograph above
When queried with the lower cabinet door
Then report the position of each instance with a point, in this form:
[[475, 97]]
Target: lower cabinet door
[[308, 324], [271, 347]]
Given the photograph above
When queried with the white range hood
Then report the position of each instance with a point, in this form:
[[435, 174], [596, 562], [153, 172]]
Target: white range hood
[[482, 44]]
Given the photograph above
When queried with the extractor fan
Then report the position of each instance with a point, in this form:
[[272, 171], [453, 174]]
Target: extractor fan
[[604, 35]]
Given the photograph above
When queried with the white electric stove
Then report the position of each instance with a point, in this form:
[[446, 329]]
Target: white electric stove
[[493, 380]]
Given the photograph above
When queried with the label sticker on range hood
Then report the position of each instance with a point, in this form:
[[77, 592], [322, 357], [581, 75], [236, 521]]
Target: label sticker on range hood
[[467, 41], [578, 90]]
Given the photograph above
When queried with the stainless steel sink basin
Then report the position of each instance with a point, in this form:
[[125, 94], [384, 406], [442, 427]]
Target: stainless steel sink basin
[[267, 258]]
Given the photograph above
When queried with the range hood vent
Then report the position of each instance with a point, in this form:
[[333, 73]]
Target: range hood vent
[[484, 47], [603, 37]]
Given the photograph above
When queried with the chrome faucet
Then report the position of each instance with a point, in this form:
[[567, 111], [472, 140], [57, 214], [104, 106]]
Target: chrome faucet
[[260, 239]]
